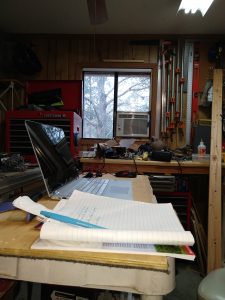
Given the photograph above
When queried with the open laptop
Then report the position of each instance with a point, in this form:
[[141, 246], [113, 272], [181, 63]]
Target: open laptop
[[59, 170]]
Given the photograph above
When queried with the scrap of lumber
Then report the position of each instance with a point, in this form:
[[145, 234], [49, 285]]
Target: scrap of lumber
[[214, 260]]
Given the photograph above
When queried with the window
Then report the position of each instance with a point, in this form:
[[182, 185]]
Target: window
[[106, 92]]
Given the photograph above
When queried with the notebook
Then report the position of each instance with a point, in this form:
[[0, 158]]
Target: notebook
[[59, 170], [119, 226]]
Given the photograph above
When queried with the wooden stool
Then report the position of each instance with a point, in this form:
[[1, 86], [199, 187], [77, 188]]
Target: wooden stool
[[212, 287]]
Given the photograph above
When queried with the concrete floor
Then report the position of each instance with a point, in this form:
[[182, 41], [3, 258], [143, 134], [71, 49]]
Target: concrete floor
[[187, 281]]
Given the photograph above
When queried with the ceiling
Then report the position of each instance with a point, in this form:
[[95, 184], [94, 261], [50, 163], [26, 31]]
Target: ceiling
[[124, 17]]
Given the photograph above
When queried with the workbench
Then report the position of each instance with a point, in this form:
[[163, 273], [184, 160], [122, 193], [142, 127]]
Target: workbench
[[12, 183], [142, 166], [181, 167], [150, 276]]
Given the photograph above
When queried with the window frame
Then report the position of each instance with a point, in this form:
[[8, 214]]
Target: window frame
[[150, 69]]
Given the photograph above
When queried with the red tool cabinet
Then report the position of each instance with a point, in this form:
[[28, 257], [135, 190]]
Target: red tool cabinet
[[17, 139]]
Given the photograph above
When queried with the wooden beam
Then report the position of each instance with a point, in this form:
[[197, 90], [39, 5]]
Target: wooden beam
[[215, 180]]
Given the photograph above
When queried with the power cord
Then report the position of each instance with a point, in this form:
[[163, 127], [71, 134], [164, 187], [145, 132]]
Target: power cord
[[136, 169]]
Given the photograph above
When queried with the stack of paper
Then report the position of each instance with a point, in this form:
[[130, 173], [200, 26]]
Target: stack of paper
[[123, 226]]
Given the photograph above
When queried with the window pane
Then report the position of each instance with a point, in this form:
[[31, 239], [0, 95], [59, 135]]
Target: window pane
[[98, 105], [133, 93]]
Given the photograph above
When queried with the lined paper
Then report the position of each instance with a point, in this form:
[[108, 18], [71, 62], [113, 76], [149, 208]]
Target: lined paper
[[126, 222]]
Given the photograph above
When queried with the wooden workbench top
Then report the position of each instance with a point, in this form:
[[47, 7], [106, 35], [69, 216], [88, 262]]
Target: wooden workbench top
[[149, 166], [17, 236], [195, 164]]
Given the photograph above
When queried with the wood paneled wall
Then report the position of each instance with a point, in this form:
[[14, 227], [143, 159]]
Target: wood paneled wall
[[63, 57]]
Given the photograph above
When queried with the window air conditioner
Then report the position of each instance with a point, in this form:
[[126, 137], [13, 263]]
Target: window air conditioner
[[132, 124]]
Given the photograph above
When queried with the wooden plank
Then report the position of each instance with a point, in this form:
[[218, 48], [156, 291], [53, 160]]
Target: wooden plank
[[199, 256], [62, 59], [73, 54], [153, 54], [114, 165], [215, 172], [102, 49], [85, 51], [141, 52], [41, 50], [127, 50], [200, 241], [17, 236], [115, 50], [51, 65]]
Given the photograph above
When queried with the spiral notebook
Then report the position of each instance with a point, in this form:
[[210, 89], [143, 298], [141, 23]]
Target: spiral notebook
[[129, 226]]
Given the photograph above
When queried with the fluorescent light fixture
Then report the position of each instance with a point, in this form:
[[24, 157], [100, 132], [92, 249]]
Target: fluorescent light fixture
[[194, 5]]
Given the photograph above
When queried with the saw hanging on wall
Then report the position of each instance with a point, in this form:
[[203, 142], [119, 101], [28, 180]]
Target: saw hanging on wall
[[97, 11]]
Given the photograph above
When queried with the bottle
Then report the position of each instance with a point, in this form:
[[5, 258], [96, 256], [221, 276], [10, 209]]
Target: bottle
[[201, 148]]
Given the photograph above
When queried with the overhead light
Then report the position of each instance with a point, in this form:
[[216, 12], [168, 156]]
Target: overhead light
[[194, 5]]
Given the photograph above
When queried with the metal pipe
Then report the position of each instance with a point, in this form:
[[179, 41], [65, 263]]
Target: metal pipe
[[177, 78], [181, 84], [163, 108], [173, 85], [190, 52], [168, 95], [158, 103]]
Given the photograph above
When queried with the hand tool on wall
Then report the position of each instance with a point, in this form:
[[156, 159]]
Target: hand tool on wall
[[163, 85], [189, 52], [172, 98], [177, 83], [195, 84], [181, 81], [177, 75], [166, 74], [159, 92], [167, 113], [181, 89], [195, 89]]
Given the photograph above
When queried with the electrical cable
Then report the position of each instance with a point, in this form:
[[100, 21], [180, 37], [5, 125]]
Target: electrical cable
[[103, 164], [136, 169], [179, 164]]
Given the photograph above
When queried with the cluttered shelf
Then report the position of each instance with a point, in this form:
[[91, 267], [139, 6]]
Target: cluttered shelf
[[142, 166]]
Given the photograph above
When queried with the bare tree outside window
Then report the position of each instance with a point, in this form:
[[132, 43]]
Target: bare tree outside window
[[133, 93], [101, 98]]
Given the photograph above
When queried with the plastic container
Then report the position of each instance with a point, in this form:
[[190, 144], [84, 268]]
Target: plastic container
[[201, 148], [201, 158]]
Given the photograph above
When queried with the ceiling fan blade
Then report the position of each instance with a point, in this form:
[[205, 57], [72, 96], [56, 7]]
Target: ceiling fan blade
[[97, 11]]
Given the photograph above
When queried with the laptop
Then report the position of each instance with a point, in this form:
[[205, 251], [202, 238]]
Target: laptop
[[58, 168]]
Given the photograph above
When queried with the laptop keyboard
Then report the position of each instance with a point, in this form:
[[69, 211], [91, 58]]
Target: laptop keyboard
[[96, 186], [93, 185]]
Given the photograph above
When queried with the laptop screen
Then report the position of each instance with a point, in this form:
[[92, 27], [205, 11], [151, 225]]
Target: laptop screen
[[53, 154]]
